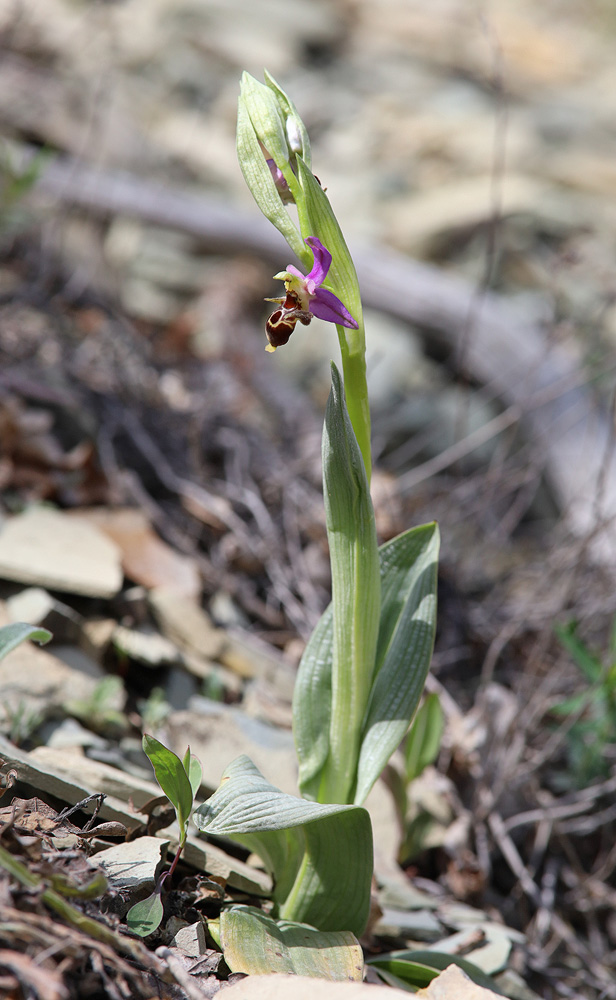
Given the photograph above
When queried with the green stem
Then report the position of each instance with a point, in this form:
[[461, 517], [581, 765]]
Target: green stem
[[356, 387]]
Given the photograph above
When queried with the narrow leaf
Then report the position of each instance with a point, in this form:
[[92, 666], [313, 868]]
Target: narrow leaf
[[406, 640], [171, 776], [12, 636], [305, 845], [254, 943], [414, 966], [144, 917]]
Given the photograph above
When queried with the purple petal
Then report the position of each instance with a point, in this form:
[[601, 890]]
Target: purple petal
[[325, 305], [322, 261]]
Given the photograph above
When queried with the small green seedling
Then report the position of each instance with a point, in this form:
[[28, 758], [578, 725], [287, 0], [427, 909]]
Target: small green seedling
[[592, 712], [21, 720], [180, 781], [102, 711]]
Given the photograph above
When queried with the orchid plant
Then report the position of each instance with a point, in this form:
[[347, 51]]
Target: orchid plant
[[362, 674]]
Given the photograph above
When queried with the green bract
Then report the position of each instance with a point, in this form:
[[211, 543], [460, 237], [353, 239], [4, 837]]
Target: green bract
[[263, 118]]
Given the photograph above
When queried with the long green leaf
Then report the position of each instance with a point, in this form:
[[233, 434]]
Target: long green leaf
[[419, 967], [12, 636], [254, 943], [171, 776], [356, 585], [406, 641], [306, 846]]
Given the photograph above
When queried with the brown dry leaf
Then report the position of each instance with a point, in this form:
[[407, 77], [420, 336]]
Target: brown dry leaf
[[146, 559], [35, 816]]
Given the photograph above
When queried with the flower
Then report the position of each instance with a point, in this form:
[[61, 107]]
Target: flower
[[305, 298], [282, 187]]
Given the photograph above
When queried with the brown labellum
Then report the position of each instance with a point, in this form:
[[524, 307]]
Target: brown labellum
[[279, 327], [281, 323]]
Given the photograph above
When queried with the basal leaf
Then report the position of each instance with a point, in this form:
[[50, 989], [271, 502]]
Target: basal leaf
[[254, 943], [144, 917], [406, 640], [305, 845], [171, 776], [12, 636]]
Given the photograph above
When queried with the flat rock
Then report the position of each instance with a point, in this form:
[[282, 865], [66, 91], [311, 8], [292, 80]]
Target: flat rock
[[131, 869], [38, 607], [187, 624], [97, 776], [52, 549], [191, 940], [63, 776], [453, 984], [282, 987], [145, 557], [146, 647]]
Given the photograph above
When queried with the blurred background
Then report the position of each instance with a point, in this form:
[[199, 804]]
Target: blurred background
[[469, 152]]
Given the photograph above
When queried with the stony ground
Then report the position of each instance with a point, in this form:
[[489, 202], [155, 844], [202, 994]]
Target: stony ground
[[469, 152]]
